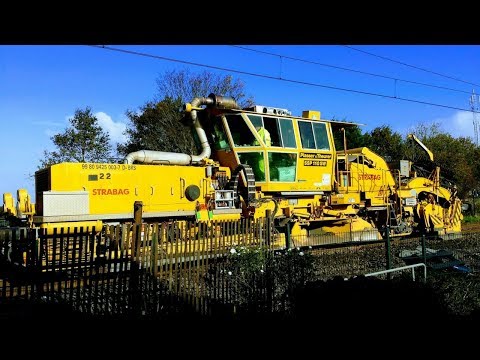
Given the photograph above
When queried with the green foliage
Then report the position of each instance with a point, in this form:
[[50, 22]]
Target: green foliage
[[248, 260], [83, 141], [353, 135], [471, 219], [157, 126], [458, 158], [250, 271], [386, 143]]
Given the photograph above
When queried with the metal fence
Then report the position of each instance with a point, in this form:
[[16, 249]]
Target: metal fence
[[219, 268]]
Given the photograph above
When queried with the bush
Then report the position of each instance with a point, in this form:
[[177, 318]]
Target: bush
[[261, 279]]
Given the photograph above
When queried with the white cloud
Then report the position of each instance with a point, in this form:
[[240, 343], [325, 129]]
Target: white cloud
[[53, 127], [50, 132], [114, 128], [459, 124]]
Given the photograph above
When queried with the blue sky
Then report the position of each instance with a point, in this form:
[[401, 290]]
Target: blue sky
[[41, 86]]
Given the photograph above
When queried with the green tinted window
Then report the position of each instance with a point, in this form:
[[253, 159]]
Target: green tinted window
[[288, 135], [321, 136], [282, 166], [257, 161], [219, 136]]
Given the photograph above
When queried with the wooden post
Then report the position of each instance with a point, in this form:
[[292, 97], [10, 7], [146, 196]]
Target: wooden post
[[137, 228], [138, 212]]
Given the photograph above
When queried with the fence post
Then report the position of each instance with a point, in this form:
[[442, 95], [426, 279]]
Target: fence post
[[135, 297], [41, 251], [287, 236], [33, 258], [137, 212], [268, 236], [137, 227], [387, 251], [424, 250]]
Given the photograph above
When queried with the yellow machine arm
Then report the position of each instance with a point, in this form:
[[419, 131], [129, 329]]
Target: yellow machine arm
[[422, 145]]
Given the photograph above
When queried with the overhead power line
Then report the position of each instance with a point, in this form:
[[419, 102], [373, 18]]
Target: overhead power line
[[272, 77], [409, 65], [348, 69]]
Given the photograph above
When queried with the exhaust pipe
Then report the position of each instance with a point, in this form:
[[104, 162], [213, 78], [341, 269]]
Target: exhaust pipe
[[170, 158]]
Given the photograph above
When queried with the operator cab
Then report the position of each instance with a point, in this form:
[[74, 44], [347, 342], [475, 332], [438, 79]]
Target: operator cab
[[286, 153]]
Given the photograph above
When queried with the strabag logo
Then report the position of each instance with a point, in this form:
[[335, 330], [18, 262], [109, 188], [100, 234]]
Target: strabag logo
[[369, 177], [111, 191]]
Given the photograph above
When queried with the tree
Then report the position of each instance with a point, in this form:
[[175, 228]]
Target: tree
[[158, 126], [426, 131], [386, 143], [184, 85], [458, 158], [83, 141], [353, 135]]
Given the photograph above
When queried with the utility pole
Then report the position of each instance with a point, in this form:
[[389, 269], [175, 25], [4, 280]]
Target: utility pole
[[474, 108]]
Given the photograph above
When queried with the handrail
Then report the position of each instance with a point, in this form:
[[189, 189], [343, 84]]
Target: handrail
[[413, 266]]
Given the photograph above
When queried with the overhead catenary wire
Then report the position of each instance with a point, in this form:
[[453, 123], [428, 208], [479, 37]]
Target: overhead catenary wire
[[282, 56], [137, 53], [409, 65]]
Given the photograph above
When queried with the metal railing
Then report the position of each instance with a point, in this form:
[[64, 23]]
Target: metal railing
[[413, 266]]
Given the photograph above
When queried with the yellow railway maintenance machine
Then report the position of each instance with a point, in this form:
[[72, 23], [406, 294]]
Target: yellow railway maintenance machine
[[251, 160]]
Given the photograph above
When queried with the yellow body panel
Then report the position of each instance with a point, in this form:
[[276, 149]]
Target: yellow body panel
[[311, 114], [70, 228], [9, 204], [315, 170], [352, 225], [25, 206], [114, 188], [345, 199]]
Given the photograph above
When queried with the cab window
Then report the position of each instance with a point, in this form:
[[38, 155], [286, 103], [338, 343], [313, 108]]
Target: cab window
[[271, 125], [306, 134], [280, 131], [321, 137], [282, 166], [241, 134], [314, 135], [288, 136], [219, 137], [257, 161]]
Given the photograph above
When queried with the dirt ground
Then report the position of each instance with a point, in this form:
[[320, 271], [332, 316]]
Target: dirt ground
[[471, 227]]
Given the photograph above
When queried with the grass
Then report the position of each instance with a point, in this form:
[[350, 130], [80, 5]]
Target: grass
[[471, 219]]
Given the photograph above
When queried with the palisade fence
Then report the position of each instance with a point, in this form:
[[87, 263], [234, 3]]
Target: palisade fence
[[178, 268]]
